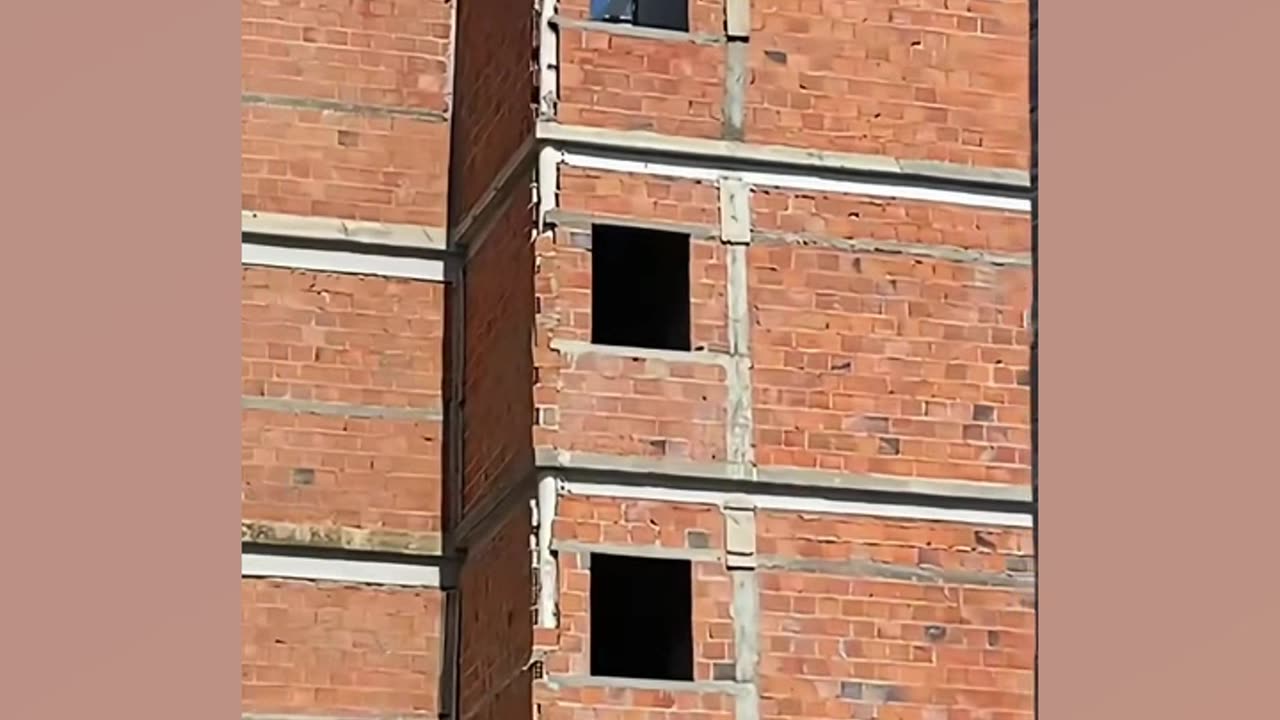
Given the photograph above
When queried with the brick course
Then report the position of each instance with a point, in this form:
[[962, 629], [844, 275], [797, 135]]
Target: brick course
[[321, 337], [339, 649], [943, 80], [890, 364]]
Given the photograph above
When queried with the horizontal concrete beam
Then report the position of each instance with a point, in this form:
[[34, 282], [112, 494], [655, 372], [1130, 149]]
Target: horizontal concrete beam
[[673, 686], [945, 253], [341, 230], [784, 477], [668, 493], [363, 572], [317, 105], [869, 185], [584, 222], [656, 552], [342, 262], [699, 357], [335, 537], [885, 571], [347, 410], [781, 159]]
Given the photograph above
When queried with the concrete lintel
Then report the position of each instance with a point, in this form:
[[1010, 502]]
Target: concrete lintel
[[771, 157], [600, 462], [583, 221], [318, 105], [574, 348], [948, 253], [343, 230], [347, 410], [636, 31], [905, 573], [673, 686], [657, 552], [337, 537]]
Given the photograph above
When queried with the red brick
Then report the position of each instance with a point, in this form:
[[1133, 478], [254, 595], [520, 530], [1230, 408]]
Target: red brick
[[944, 81], [498, 414], [329, 164], [341, 338], [329, 648], [890, 364], [626, 83], [855, 217]]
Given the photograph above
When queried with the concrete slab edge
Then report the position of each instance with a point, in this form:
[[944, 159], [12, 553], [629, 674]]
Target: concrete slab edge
[[346, 410], [332, 229], [337, 537], [795, 478], [773, 157]]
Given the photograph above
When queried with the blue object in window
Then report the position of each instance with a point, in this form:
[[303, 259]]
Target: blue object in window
[[613, 10]]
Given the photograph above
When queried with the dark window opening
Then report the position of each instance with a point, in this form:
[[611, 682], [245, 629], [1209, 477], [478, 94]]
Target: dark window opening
[[641, 618], [662, 14], [639, 288]]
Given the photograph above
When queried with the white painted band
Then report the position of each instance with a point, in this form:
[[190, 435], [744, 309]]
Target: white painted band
[[792, 503], [348, 263], [366, 572], [799, 182], [341, 230]]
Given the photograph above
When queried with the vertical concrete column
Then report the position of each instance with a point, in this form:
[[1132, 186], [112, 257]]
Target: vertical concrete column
[[740, 561], [735, 233], [737, 26], [546, 568], [548, 61]]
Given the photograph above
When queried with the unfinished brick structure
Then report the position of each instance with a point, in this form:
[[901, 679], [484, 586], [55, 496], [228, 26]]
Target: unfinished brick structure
[[688, 378]]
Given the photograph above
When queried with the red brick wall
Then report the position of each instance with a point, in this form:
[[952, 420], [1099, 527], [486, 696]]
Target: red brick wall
[[607, 402], [670, 86], [496, 590], [907, 221], [343, 339], [637, 523], [890, 364], [495, 94], [632, 704], [904, 649], [627, 83], [339, 649], [640, 197], [498, 364], [390, 53], [944, 81]]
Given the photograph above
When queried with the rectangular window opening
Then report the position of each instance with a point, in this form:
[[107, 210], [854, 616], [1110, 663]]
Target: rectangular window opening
[[639, 288], [661, 14], [641, 618]]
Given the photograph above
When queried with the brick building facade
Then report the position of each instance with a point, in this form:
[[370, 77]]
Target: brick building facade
[[637, 359]]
